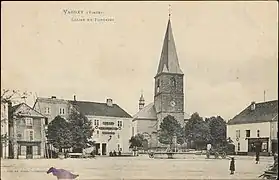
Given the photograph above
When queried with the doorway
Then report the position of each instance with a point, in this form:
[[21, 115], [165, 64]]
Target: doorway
[[29, 152], [104, 149], [97, 147]]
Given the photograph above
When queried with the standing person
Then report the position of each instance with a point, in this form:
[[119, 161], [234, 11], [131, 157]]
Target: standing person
[[208, 148], [258, 149], [232, 165]]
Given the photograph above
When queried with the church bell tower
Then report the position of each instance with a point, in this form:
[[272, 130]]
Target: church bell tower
[[168, 91]]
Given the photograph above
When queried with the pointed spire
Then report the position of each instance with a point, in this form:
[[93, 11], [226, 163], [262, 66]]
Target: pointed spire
[[141, 96], [169, 60], [141, 101]]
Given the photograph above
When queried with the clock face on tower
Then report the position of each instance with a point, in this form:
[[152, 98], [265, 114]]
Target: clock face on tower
[[172, 103]]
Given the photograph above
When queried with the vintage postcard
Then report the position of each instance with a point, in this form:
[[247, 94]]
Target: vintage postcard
[[139, 90]]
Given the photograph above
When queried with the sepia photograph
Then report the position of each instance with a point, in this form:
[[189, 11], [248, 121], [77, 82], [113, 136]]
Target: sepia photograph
[[139, 90]]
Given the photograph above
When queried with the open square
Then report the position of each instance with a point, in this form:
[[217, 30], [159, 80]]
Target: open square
[[142, 167]]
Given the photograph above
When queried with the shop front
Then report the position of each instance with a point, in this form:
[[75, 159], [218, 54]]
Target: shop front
[[263, 144], [28, 149]]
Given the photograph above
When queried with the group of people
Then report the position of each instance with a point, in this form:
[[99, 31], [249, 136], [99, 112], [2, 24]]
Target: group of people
[[114, 153]]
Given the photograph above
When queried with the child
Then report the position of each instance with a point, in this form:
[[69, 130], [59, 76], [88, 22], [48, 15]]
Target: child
[[232, 165]]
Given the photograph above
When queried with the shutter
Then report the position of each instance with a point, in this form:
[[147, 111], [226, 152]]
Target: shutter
[[25, 132]]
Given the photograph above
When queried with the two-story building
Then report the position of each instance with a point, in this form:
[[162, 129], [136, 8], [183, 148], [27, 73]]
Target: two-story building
[[257, 122], [4, 148], [27, 133], [112, 124], [52, 107]]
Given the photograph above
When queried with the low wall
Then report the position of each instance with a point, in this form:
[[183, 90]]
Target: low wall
[[34, 157], [177, 155]]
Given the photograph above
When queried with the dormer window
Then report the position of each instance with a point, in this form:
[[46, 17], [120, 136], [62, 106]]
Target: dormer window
[[253, 106]]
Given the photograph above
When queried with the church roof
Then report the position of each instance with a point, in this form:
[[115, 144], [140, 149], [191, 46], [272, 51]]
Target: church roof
[[148, 112], [169, 61]]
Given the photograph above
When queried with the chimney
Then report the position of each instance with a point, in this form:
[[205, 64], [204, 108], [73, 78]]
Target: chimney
[[109, 102], [53, 97], [75, 98], [253, 106]]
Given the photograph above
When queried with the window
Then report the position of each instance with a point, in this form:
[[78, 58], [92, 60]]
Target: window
[[28, 121], [30, 135], [258, 133], [118, 147], [47, 110], [238, 146], [61, 111], [96, 122], [119, 124], [98, 133], [118, 136], [173, 82], [264, 147], [237, 133], [247, 133], [158, 83]]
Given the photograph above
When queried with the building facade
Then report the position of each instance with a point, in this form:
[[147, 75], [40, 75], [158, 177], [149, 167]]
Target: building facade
[[168, 93], [52, 107], [112, 124], [4, 148], [257, 122], [27, 133]]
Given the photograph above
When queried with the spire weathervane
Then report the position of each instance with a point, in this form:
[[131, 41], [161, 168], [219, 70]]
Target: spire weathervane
[[169, 10], [141, 92]]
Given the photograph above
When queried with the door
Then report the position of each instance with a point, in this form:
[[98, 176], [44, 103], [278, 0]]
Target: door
[[97, 149], [104, 149], [29, 152]]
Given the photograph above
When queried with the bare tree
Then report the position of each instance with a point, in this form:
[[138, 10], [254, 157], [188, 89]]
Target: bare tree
[[15, 96], [11, 96]]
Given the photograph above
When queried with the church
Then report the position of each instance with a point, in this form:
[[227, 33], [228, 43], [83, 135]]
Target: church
[[168, 94]]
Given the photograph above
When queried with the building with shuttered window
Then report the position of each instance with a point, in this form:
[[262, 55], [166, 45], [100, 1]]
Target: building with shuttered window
[[258, 121], [112, 124]]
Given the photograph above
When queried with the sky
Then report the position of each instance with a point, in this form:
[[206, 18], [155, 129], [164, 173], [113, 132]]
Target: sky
[[228, 51]]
